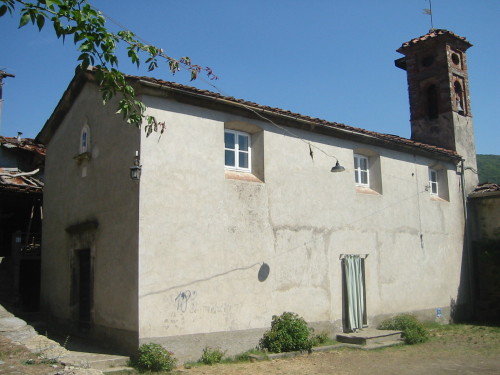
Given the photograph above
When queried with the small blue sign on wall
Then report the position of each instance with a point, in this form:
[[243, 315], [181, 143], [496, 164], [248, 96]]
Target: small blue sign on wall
[[439, 313]]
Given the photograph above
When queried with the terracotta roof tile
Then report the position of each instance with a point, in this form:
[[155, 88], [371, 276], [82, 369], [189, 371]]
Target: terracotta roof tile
[[433, 34], [14, 180], [485, 188], [390, 138], [27, 144]]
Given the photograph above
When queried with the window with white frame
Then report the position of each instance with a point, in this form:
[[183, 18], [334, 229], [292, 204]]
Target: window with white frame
[[433, 182], [85, 139], [237, 150], [361, 170]]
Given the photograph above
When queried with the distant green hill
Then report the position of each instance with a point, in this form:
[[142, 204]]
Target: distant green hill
[[488, 168]]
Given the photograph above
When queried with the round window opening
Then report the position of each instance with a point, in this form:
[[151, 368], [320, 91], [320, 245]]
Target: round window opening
[[427, 61], [455, 58]]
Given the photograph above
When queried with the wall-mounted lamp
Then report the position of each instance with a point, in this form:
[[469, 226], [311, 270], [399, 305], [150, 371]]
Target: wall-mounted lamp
[[135, 170], [337, 168]]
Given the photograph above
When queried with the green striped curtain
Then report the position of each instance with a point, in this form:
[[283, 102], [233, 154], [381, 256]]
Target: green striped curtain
[[355, 292]]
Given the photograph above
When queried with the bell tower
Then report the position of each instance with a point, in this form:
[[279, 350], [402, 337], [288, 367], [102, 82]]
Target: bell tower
[[438, 86]]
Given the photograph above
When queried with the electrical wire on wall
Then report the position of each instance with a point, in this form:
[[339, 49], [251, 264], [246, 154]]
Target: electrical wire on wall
[[311, 147]]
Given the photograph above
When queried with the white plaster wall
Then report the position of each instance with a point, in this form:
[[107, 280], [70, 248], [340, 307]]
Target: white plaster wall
[[202, 237], [95, 190]]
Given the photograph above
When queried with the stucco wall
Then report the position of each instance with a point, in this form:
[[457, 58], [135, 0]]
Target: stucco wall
[[90, 202], [486, 215], [203, 236]]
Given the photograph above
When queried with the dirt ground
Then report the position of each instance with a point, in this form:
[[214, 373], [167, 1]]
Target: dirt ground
[[455, 350], [16, 359], [466, 350], [384, 362]]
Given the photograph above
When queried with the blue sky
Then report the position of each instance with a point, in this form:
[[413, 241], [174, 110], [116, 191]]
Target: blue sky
[[330, 59]]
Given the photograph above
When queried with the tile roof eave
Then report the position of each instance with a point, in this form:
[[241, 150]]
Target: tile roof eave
[[388, 139], [393, 141], [485, 190], [26, 144], [25, 189], [434, 33]]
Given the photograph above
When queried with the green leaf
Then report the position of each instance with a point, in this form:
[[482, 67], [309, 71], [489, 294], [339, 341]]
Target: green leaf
[[40, 21], [3, 10], [57, 27], [152, 66], [24, 20]]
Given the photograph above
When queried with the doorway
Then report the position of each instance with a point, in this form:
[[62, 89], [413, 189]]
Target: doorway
[[84, 289], [354, 315], [29, 284]]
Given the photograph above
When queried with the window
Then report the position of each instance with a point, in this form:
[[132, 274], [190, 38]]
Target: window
[[85, 140], [361, 170], [433, 181], [237, 150], [438, 182]]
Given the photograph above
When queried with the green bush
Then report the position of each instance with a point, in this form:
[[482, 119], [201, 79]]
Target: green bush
[[154, 357], [413, 331], [289, 332], [211, 355]]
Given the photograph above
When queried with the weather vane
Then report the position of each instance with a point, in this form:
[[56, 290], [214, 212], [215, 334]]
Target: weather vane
[[429, 13]]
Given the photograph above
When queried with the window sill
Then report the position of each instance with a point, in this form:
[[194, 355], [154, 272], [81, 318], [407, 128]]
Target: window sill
[[437, 198], [83, 156], [366, 190], [242, 176]]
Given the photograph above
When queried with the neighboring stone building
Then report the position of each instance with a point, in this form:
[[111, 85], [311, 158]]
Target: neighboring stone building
[[485, 210], [21, 176], [237, 216]]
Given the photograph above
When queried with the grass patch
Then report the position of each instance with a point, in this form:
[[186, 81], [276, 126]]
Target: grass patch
[[480, 339], [239, 358], [247, 356], [327, 342]]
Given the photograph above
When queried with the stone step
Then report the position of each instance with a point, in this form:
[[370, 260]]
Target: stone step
[[72, 352], [121, 369], [103, 362], [370, 336]]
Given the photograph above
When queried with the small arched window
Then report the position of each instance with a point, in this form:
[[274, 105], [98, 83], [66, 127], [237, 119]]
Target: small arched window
[[85, 139], [459, 97]]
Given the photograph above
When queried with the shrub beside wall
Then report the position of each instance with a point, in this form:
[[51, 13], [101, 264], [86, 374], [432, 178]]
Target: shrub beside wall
[[289, 332], [413, 331]]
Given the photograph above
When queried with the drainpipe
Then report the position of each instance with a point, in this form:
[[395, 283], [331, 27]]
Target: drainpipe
[[467, 243]]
